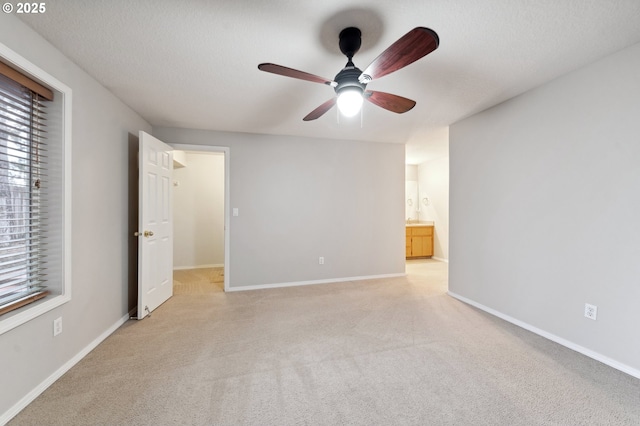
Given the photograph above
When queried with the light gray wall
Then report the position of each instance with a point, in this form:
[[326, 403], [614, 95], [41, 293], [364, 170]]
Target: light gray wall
[[433, 183], [302, 198], [102, 149], [545, 201], [198, 211]]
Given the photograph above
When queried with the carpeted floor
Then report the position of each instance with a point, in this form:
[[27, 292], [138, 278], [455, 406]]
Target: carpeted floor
[[379, 352], [198, 281]]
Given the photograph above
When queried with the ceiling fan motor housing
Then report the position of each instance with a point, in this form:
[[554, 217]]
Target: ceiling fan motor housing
[[347, 79]]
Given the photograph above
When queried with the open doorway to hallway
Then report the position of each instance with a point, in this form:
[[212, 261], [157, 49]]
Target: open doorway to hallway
[[199, 208]]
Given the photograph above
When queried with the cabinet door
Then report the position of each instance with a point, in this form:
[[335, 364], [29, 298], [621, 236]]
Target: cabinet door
[[427, 246], [421, 246], [408, 247], [417, 244]]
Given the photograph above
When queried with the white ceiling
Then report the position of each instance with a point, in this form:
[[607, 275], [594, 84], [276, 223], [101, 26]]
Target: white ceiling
[[193, 63]]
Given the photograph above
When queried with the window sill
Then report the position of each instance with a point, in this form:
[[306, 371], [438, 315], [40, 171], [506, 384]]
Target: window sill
[[23, 301], [31, 311]]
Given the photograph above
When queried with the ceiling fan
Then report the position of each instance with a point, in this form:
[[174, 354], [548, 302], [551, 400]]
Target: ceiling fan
[[350, 83]]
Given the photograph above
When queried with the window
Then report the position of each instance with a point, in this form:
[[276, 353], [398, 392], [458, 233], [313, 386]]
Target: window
[[23, 181], [34, 191]]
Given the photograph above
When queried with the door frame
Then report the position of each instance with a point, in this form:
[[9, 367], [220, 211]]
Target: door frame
[[227, 204]]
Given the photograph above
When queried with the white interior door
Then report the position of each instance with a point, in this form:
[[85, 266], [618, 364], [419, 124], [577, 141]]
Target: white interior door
[[155, 226]]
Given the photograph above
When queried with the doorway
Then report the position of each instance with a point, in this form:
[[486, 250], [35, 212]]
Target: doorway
[[201, 216]]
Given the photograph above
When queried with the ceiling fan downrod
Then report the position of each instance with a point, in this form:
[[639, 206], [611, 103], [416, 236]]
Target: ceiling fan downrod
[[347, 78]]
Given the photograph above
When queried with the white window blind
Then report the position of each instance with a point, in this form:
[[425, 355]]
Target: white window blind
[[23, 195]]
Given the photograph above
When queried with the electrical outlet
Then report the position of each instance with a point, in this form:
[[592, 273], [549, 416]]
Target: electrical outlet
[[321, 260], [57, 326], [590, 311]]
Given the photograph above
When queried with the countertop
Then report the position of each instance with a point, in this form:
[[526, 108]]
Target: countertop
[[421, 223]]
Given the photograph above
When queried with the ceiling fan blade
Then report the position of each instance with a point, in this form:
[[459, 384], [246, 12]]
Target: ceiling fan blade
[[290, 72], [318, 112], [409, 48], [393, 103]]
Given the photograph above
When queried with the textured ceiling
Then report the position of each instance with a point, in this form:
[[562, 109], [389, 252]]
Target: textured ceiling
[[194, 63]]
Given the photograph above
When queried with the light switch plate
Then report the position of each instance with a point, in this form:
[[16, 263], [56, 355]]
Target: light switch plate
[[57, 326]]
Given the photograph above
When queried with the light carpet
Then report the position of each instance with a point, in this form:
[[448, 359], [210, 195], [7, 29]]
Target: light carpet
[[378, 352], [198, 281]]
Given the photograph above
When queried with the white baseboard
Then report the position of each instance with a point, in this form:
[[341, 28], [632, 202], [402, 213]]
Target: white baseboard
[[564, 342], [441, 259], [28, 398], [313, 282], [212, 265]]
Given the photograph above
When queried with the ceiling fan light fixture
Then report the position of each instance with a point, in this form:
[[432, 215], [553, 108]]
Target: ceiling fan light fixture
[[350, 83], [350, 101]]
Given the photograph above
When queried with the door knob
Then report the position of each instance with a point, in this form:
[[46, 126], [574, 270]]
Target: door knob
[[148, 234]]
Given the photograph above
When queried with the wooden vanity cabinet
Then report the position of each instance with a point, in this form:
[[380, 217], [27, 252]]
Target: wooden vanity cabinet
[[419, 241]]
